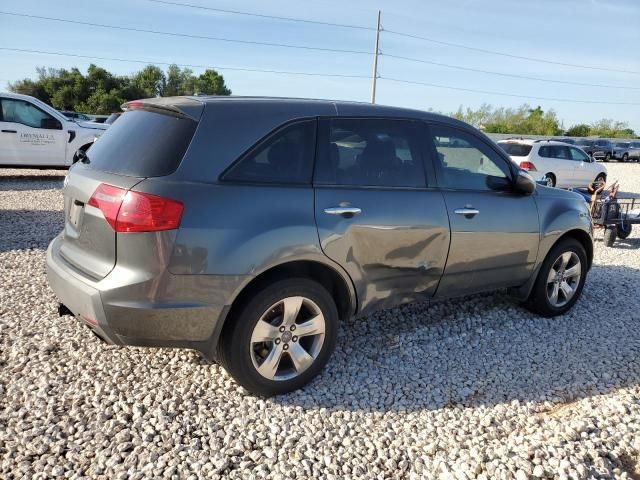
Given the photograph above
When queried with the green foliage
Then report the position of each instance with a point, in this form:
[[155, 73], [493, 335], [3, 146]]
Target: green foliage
[[100, 92], [522, 120], [579, 130], [525, 120], [611, 129]]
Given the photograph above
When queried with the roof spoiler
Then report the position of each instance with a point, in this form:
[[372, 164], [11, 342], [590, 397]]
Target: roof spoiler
[[179, 107]]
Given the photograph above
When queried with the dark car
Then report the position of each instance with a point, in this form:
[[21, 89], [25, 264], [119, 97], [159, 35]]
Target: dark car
[[248, 228], [626, 151], [603, 149], [570, 141]]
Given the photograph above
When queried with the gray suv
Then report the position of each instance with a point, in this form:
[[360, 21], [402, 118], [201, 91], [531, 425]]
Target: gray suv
[[247, 228]]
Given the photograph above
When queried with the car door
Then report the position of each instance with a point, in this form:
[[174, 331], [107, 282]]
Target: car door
[[494, 230], [31, 135], [585, 173], [377, 212]]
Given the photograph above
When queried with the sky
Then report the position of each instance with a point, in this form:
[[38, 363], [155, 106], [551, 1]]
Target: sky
[[598, 33]]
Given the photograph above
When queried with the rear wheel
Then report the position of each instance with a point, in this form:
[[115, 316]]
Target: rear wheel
[[560, 280], [282, 338], [624, 230], [551, 179], [600, 180], [610, 235]]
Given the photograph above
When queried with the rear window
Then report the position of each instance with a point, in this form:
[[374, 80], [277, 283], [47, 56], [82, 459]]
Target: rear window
[[516, 149], [143, 144]]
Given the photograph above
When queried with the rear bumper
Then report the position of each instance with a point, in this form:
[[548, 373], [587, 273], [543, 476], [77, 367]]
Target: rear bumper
[[143, 309]]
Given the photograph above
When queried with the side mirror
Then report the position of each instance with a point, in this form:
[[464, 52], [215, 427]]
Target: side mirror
[[524, 183], [50, 124]]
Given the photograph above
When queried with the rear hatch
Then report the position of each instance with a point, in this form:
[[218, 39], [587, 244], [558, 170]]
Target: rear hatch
[[519, 152], [149, 140]]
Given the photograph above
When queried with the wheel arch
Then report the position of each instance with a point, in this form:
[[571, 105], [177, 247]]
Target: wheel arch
[[337, 283], [583, 237]]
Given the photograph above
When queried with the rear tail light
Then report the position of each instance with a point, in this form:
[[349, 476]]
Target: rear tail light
[[129, 211], [528, 166]]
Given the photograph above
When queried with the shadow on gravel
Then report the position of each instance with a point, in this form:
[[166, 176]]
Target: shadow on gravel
[[29, 229], [483, 351], [30, 182]]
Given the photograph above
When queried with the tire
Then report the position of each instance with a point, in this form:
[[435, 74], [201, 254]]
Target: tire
[[600, 179], [624, 230], [607, 157], [610, 234], [540, 300], [625, 158], [551, 179], [242, 356]]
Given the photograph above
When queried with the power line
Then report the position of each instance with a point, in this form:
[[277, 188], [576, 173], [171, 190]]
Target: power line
[[259, 15], [513, 75], [567, 100], [184, 35], [520, 57], [147, 62]]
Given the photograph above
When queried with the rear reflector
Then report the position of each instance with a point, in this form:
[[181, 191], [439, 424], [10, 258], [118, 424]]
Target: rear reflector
[[129, 211], [528, 166]]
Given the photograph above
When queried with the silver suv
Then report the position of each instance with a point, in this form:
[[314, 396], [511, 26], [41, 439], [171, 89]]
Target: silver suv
[[246, 228]]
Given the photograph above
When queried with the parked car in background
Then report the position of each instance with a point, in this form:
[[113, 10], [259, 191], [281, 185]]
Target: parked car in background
[[35, 135], [112, 118], [559, 164], [76, 116], [603, 149], [586, 145], [570, 141], [247, 228], [626, 151]]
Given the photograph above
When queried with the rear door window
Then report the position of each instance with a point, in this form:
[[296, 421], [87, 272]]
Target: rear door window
[[370, 152], [285, 156], [143, 143]]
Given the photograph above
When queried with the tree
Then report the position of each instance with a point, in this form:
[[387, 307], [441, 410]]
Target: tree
[[101, 92], [579, 130], [523, 120]]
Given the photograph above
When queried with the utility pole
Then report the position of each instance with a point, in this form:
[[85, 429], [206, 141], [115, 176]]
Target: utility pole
[[375, 62]]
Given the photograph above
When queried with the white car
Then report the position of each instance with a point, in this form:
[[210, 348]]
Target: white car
[[35, 135], [559, 164]]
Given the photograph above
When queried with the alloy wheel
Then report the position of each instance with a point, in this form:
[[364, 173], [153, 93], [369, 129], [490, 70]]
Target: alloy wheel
[[563, 279], [287, 338]]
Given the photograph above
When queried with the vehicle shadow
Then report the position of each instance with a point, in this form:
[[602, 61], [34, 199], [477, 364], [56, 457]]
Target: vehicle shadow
[[30, 182], [29, 229], [484, 350]]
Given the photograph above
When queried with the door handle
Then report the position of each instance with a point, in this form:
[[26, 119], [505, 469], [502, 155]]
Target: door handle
[[467, 212], [344, 211], [9, 131]]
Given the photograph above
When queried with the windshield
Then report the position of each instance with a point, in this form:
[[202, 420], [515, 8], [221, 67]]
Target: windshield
[[516, 149], [142, 144]]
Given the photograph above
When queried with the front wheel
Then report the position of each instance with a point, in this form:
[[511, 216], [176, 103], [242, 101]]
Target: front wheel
[[282, 338], [625, 158], [607, 157], [560, 280]]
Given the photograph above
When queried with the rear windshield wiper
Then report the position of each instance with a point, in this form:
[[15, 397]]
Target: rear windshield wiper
[[83, 157]]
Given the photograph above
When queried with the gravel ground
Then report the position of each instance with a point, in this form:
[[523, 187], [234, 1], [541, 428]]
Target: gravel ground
[[474, 388]]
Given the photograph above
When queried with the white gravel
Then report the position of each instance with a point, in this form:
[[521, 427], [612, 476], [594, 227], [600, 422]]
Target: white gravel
[[474, 388]]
